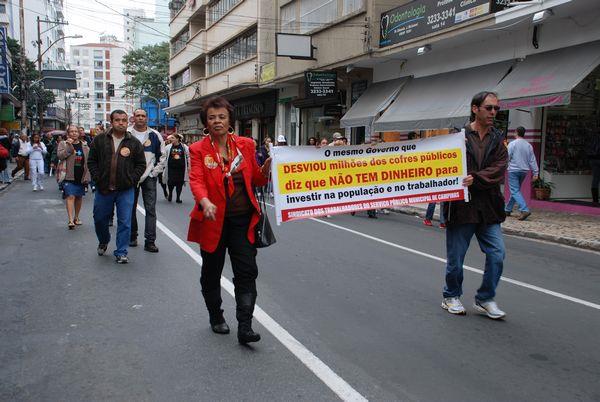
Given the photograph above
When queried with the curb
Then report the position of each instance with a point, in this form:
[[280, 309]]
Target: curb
[[569, 241]]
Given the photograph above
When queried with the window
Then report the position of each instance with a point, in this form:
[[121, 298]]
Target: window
[[85, 52], [288, 17], [350, 6], [98, 75], [98, 65], [242, 48], [180, 80], [98, 117], [219, 8], [75, 52], [99, 106], [99, 95], [315, 13], [98, 86], [180, 42], [86, 84], [98, 54]]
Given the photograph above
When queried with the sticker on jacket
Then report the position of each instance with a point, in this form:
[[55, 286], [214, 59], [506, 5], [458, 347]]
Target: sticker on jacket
[[125, 152], [210, 162]]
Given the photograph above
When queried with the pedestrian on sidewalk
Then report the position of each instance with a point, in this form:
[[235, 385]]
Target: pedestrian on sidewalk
[[116, 163], [174, 164], [223, 176], [5, 157], [22, 157], [36, 151], [154, 147], [521, 160], [73, 153], [486, 165]]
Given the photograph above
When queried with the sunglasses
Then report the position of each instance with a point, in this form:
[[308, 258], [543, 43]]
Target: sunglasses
[[490, 107]]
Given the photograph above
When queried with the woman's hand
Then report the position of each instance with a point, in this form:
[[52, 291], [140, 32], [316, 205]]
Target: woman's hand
[[265, 168], [209, 209]]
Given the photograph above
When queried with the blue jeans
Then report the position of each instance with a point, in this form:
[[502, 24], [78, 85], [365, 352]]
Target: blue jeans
[[103, 209], [4, 177], [431, 210], [458, 238], [515, 179]]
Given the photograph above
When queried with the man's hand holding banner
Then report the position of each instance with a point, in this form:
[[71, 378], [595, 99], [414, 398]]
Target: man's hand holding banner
[[310, 182]]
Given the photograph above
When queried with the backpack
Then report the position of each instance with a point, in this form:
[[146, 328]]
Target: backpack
[[3, 152]]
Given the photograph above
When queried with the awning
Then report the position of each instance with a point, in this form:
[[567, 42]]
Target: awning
[[373, 101], [548, 78], [440, 101]]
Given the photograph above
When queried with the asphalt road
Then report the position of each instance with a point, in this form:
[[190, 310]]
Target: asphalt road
[[362, 295]]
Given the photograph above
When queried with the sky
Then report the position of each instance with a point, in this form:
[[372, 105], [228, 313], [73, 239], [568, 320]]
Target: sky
[[90, 19]]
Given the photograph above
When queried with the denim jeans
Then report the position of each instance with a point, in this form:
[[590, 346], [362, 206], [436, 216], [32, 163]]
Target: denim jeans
[[148, 189], [491, 243], [515, 179], [4, 177], [103, 208], [431, 210]]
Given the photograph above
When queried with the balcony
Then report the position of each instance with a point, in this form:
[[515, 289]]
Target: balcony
[[181, 60]]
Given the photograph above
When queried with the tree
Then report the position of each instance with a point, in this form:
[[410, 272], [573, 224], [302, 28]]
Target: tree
[[148, 71], [37, 96]]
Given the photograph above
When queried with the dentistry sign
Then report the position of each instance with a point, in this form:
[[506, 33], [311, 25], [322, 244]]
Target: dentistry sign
[[422, 17]]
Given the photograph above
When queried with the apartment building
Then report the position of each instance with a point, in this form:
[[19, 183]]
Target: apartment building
[[99, 65], [141, 30], [220, 48]]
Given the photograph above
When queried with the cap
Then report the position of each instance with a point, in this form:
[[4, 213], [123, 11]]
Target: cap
[[281, 138], [337, 136]]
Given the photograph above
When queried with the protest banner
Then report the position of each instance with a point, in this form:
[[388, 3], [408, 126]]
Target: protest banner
[[310, 182]]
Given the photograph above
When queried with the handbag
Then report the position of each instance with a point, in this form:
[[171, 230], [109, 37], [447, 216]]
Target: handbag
[[263, 234], [3, 152], [61, 171]]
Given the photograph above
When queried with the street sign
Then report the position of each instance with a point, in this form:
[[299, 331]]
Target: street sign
[[319, 84]]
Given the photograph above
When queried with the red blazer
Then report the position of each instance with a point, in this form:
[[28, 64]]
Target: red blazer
[[206, 180]]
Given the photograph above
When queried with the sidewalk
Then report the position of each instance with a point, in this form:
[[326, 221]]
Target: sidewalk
[[571, 229]]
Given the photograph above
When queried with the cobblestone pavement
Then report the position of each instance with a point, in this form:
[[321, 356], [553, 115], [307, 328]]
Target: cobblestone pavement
[[571, 229]]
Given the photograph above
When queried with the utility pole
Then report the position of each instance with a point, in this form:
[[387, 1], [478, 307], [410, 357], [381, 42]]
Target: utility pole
[[24, 83]]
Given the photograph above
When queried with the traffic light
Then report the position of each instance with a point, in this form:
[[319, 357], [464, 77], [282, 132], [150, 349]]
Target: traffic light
[[111, 90]]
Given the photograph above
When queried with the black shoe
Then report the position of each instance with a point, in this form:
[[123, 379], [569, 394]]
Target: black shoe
[[170, 198], [247, 335], [221, 328], [178, 201], [101, 249], [133, 243], [151, 247], [122, 259]]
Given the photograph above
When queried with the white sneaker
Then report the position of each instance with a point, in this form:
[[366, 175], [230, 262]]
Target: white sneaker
[[453, 305], [35, 188], [41, 188], [489, 308]]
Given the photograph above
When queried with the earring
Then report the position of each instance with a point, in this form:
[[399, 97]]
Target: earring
[[230, 130], [205, 131]]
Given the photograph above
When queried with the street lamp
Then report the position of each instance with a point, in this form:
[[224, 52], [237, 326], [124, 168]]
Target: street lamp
[[41, 54]]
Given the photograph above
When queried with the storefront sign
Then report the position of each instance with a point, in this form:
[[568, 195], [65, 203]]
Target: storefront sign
[[537, 101], [310, 182], [4, 65], [267, 72], [320, 84], [264, 105], [422, 17]]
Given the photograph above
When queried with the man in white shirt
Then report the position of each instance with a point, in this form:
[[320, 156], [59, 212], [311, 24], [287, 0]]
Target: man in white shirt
[[521, 160], [154, 146]]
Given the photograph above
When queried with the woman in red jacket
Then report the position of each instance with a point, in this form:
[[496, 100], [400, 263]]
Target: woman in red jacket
[[223, 175]]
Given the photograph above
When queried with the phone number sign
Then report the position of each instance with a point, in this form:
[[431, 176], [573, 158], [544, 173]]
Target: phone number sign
[[320, 84], [422, 17]]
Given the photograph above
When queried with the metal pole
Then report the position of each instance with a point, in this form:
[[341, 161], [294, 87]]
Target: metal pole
[[23, 59]]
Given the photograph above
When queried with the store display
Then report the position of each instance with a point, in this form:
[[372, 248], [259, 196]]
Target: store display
[[566, 139]]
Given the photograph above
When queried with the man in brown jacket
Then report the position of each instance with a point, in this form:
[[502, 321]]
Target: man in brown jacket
[[487, 160]]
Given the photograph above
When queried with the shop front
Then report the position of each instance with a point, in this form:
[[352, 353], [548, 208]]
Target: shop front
[[255, 115], [562, 89]]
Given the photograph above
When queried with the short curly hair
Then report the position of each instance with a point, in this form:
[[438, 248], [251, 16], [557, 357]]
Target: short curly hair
[[216, 103]]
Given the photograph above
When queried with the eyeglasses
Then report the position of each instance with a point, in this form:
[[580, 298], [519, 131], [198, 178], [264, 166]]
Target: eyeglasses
[[490, 107]]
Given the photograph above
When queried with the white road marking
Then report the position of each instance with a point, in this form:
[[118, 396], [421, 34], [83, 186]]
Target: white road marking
[[468, 268], [336, 383]]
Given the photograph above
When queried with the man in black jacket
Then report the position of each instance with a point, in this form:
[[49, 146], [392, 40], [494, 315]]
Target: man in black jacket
[[116, 162], [487, 159]]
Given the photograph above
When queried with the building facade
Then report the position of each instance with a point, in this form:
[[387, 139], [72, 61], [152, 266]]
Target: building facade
[[219, 48], [98, 65], [139, 30]]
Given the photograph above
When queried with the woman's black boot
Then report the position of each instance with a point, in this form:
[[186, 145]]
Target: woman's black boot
[[244, 309], [213, 304]]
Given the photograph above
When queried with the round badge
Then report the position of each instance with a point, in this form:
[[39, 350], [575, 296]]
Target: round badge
[[147, 142], [125, 151], [209, 162], [176, 156]]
